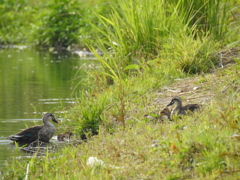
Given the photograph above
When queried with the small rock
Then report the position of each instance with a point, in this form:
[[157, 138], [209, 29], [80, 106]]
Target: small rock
[[94, 161]]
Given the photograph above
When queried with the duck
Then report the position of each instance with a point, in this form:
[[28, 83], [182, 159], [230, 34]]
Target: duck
[[42, 133], [164, 114], [159, 116], [180, 109], [64, 136]]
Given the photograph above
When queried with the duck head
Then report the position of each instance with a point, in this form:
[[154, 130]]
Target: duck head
[[50, 117], [175, 99]]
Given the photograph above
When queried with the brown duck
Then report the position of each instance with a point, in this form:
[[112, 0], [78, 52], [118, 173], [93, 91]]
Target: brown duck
[[165, 114], [64, 136], [180, 109], [41, 133]]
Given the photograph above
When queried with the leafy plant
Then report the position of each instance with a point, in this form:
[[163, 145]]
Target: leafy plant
[[89, 115], [15, 20], [60, 28]]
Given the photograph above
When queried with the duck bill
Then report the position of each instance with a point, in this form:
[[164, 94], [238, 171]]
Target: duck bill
[[171, 103], [54, 120]]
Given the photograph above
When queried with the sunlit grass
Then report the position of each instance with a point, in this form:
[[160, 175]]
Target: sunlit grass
[[184, 37]]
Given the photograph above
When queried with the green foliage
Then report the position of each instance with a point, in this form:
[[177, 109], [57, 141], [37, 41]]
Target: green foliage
[[15, 21], [49, 23], [181, 37], [191, 55], [60, 28], [87, 115], [207, 15], [133, 32], [139, 31], [139, 28]]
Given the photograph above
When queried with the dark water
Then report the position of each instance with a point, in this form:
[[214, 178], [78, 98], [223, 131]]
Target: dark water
[[32, 83]]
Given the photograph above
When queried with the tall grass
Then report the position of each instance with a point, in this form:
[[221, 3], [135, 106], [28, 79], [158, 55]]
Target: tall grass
[[208, 15], [135, 31], [139, 31], [191, 54]]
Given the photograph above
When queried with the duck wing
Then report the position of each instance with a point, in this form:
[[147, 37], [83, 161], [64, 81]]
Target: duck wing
[[191, 107], [28, 135]]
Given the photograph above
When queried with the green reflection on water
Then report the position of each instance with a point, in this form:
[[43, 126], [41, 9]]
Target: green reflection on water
[[27, 76]]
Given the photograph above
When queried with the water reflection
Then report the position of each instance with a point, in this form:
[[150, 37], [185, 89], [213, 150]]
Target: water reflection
[[31, 83]]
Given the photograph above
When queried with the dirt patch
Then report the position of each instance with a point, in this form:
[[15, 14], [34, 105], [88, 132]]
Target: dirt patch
[[202, 88]]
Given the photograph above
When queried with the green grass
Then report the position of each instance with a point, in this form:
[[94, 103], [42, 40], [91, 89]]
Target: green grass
[[184, 40]]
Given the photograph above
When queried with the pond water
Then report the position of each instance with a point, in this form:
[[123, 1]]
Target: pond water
[[32, 83]]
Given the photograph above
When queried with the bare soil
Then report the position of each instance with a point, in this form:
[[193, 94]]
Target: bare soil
[[202, 88]]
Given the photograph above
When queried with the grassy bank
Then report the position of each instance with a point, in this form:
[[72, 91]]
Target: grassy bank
[[204, 145], [152, 51]]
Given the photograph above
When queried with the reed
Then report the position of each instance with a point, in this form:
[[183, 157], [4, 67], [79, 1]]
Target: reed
[[139, 31], [208, 15]]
